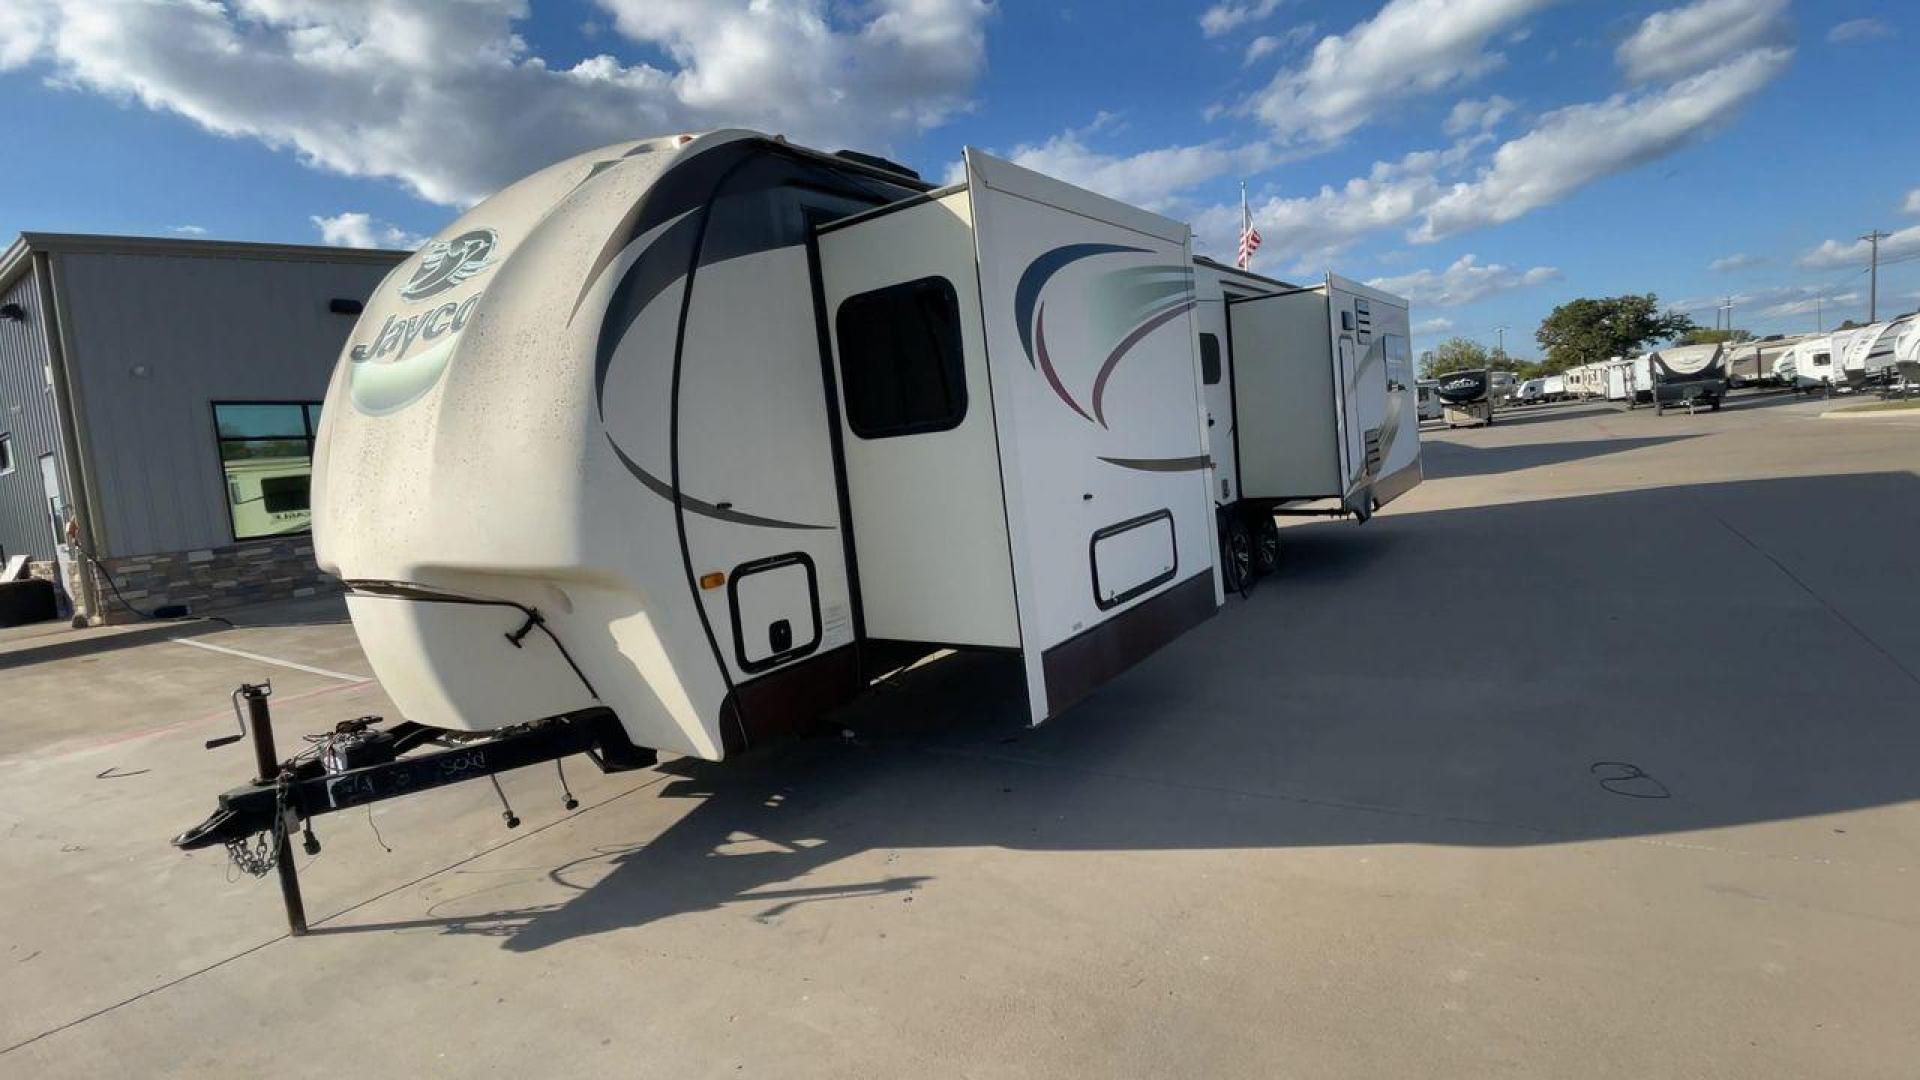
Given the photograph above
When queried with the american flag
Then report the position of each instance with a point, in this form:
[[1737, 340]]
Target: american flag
[[1249, 243], [1249, 236]]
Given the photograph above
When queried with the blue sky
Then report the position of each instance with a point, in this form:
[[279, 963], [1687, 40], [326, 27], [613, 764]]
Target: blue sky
[[1489, 158]]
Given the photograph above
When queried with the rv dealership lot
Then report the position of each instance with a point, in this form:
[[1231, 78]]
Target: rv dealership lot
[[1357, 825]]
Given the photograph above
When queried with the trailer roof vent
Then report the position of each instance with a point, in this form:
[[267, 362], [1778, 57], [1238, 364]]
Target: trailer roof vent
[[874, 161], [341, 305]]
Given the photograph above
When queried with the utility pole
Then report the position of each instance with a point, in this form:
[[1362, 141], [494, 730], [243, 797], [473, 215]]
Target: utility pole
[[1873, 267], [1500, 338]]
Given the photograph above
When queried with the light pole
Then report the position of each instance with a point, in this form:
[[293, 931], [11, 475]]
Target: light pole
[[1873, 268]]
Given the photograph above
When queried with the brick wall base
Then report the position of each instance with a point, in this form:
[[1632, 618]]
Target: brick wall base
[[211, 579]]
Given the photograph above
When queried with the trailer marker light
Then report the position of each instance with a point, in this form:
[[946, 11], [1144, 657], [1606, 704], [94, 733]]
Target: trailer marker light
[[713, 580]]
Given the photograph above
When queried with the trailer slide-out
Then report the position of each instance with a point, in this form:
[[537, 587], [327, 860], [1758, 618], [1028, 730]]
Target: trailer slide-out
[[1316, 388], [676, 445]]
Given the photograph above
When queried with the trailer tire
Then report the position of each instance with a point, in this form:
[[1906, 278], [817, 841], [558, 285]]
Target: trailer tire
[[1236, 556], [1266, 546], [1715, 407]]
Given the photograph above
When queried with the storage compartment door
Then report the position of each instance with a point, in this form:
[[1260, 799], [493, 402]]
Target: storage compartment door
[[1286, 408], [775, 605]]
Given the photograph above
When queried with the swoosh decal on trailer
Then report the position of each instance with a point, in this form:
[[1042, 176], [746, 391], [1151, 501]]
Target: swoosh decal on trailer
[[696, 506], [1120, 351], [662, 264], [1026, 294], [1046, 364], [1169, 464]]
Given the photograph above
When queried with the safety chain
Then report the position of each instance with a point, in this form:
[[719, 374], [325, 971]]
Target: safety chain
[[257, 854]]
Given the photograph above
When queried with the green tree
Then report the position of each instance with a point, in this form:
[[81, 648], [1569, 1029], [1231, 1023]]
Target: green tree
[[1454, 354], [1699, 336], [1587, 330]]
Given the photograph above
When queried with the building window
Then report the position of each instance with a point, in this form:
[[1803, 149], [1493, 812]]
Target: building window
[[901, 366], [6, 454], [1209, 359], [266, 453]]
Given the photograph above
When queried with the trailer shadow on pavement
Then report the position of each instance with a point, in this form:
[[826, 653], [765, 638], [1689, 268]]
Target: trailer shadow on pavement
[[1708, 665], [1449, 460]]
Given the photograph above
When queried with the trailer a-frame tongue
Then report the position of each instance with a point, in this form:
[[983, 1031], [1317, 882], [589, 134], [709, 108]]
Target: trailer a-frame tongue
[[1025, 455]]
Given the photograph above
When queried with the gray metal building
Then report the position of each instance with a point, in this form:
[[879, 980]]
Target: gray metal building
[[157, 404]]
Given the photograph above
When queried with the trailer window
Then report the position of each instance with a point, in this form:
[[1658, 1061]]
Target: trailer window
[[901, 366], [1209, 359]]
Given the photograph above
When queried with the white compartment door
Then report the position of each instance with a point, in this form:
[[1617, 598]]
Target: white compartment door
[[902, 304]]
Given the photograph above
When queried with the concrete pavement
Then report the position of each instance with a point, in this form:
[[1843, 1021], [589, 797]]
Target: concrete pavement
[[1595, 755]]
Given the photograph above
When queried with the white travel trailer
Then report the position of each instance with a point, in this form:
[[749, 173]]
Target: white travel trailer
[[1870, 352], [1681, 374], [1431, 408], [1808, 364], [1617, 378], [968, 417], [737, 426], [1553, 388], [1759, 361]]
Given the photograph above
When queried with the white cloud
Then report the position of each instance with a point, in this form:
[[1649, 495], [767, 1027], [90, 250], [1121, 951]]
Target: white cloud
[[1838, 253], [451, 101], [353, 228], [1411, 47], [1829, 304], [1681, 41], [1854, 30], [1568, 149], [1775, 301], [1477, 115], [1912, 205], [1429, 327], [1151, 178], [187, 230], [1267, 44], [1305, 228], [1463, 282], [1230, 15], [1575, 146], [1726, 264]]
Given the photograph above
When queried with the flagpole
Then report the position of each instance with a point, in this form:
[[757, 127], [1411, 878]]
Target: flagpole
[[1246, 222]]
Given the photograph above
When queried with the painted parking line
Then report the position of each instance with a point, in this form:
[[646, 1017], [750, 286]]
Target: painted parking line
[[341, 675]]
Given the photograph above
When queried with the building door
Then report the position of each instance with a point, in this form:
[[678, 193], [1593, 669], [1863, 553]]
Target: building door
[[56, 507]]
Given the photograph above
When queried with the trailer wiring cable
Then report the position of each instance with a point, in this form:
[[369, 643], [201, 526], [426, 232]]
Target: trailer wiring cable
[[398, 590], [152, 616]]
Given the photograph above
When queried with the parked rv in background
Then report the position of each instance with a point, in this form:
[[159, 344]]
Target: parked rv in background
[[1757, 363], [1501, 388], [1467, 396], [1870, 356], [1430, 406], [1681, 375], [1808, 365], [1617, 379]]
